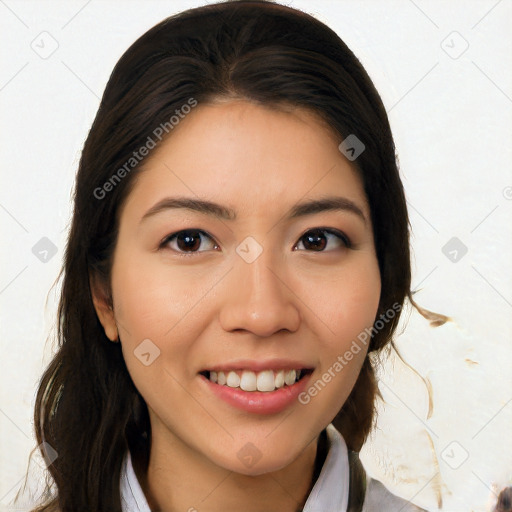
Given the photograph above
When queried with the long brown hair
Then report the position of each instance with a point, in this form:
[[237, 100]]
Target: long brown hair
[[87, 407]]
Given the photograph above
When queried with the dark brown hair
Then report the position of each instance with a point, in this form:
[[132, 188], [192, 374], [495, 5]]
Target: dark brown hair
[[87, 407]]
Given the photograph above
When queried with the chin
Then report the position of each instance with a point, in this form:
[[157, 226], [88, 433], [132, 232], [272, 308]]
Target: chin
[[250, 461], [259, 468]]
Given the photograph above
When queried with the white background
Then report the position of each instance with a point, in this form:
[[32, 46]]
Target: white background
[[451, 115]]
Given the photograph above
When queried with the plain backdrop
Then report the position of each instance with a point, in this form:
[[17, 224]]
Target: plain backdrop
[[444, 71]]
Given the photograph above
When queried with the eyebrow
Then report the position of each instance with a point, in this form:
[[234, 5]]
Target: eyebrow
[[330, 203]]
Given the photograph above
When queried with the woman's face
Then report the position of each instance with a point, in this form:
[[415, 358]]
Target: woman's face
[[247, 295]]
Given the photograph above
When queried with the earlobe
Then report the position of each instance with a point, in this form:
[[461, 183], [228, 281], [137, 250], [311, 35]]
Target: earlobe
[[104, 309]]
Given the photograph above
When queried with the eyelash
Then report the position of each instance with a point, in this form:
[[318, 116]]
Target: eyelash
[[339, 234]]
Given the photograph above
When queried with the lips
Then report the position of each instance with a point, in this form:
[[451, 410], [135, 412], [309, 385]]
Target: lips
[[257, 391], [253, 376]]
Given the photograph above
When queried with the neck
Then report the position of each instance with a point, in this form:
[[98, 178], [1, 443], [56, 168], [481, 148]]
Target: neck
[[177, 480]]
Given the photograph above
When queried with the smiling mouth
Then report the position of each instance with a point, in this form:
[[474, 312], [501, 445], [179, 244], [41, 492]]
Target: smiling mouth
[[247, 380]]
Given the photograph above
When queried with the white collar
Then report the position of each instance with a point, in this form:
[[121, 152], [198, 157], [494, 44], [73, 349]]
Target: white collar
[[327, 493]]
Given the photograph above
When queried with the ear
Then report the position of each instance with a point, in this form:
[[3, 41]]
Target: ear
[[103, 306]]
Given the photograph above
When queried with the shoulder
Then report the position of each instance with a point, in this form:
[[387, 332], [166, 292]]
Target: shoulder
[[379, 498]]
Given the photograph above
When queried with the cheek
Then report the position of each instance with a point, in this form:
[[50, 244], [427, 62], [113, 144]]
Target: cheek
[[347, 303], [347, 308], [152, 299], [167, 305], [149, 307]]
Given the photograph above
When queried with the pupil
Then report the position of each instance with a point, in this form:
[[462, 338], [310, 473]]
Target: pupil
[[190, 241], [317, 240]]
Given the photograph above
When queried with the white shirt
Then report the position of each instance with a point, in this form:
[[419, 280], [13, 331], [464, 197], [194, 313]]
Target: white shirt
[[327, 494]]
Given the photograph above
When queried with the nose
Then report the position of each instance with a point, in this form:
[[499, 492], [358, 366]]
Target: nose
[[259, 300]]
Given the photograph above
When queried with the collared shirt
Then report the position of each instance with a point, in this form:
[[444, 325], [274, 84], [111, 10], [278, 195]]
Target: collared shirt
[[329, 494]]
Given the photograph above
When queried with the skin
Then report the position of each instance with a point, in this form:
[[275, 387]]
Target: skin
[[210, 306]]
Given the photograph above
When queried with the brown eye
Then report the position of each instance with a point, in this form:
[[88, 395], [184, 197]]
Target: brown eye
[[318, 239], [188, 241]]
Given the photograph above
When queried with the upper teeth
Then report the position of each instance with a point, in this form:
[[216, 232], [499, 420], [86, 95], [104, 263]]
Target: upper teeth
[[250, 381]]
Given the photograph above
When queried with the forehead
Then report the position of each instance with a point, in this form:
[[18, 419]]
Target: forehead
[[247, 156]]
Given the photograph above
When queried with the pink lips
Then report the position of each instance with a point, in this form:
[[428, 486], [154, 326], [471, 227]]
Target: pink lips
[[259, 402]]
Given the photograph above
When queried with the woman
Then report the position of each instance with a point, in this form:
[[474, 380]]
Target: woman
[[239, 245]]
